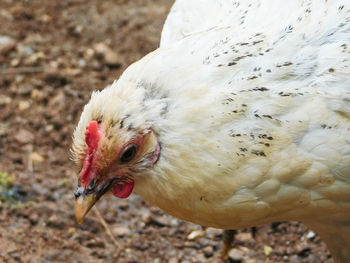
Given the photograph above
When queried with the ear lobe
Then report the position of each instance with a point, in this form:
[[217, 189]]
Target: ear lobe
[[149, 140], [151, 147]]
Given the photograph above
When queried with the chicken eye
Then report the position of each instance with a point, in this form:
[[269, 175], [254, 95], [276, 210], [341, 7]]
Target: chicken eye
[[128, 154]]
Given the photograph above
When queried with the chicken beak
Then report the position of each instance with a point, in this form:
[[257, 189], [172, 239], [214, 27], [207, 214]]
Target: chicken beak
[[85, 198], [83, 204]]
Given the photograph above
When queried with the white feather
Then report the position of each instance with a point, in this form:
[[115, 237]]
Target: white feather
[[250, 102]]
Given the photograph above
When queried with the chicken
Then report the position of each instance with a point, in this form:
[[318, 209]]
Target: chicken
[[240, 118]]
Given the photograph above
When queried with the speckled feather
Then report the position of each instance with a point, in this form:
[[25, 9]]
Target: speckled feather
[[250, 101]]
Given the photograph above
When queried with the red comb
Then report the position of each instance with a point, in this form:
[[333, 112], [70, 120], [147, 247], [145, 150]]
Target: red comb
[[92, 135]]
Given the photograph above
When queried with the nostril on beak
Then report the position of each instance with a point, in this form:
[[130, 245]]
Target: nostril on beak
[[78, 192]]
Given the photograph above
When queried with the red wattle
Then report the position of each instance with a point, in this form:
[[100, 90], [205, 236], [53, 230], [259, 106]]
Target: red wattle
[[123, 190]]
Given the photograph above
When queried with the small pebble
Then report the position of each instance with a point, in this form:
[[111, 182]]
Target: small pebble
[[173, 260], [161, 220], [4, 100], [33, 59], [236, 254], [123, 204], [34, 218], [36, 94], [23, 136], [71, 231], [267, 250], [310, 235], [95, 243], [208, 251], [6, 44], [244, 236], [213, 233], [23, 105], [195, 234], [37, 157], [121, 231], [146, 217], [109, 56]]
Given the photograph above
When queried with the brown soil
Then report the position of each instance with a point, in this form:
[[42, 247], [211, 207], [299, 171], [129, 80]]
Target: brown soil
[[46, 76]]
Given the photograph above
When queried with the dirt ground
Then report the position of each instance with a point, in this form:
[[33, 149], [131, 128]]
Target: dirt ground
[[52, 55]]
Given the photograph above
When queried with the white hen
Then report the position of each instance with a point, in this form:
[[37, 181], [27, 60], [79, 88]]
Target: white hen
[[249, 102]]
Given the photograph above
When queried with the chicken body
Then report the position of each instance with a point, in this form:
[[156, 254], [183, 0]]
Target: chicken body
[[251, 110]]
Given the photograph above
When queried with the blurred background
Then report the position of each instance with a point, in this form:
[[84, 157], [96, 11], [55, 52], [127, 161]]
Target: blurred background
[[52, 55]]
